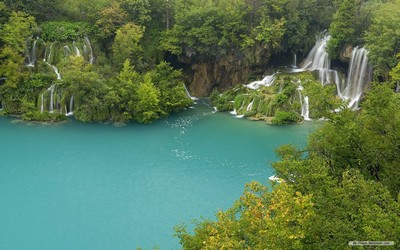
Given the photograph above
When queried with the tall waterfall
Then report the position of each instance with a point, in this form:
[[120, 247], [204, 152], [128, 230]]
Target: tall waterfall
[[31, 51], [51, 89], [188, 94], [87, 48], [318, 59], [359, 73], [71, 107], [358, 78], [305, 113]]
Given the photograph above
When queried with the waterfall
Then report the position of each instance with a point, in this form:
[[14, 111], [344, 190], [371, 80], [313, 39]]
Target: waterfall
[[89, 50], [188, 94], [55, 69], [77, 51], [47, 57], [250, 106], [318, 59], [266, 81], [304, 104], [51, 106], [358, 78], [71, 106], [31, 53], [67, 51], [234, 112], [42, 105], [294, 60]]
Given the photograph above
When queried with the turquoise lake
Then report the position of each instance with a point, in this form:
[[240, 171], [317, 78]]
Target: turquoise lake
[[97, 186]]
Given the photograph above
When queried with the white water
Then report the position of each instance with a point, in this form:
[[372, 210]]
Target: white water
[[76, 49], [51, 89], [31, 54], [71, 107], [250, 106], [42, 105], [55, 69], [304, 104], [358, 78], [266, 81], [359, 72], [89, 49], [318, 59], [67, 51], [188, 94]]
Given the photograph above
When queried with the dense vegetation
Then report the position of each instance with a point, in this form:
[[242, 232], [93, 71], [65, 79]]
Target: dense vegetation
[[122, 73], [343, 186]]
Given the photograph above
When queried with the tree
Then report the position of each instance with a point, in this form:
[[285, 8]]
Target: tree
[[147, 107], [343, 26], [258, 220], [173, 94], [111, 18], [87, 87], [18, 28], [382, 38], [126, 44]]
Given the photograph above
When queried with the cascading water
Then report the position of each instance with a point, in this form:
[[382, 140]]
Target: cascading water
[[88, 49], [250, 106], [76, 49], [266, 81], [71, 107], [318, 59], [294, 60], [31, 52], [188, 94], [55, 69], [67, 51], [304, 104], [51, 106], [358, 78]]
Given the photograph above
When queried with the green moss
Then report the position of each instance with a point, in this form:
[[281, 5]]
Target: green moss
[[37, 116]]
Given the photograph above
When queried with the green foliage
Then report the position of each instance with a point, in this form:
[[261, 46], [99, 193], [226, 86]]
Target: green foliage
[[126, 44], [147, 107], [328, 194], [285, 117], [65, 31], [37, 116], [206, 28], [382, 38], [258, 220], [343, 27], [111, 18], [19, 27], [138, 10]]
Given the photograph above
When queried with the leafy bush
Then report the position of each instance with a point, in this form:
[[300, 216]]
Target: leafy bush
[[63, 31], [43, 117], [285, 117]]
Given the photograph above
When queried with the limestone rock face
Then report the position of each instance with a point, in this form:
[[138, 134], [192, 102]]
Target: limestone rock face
[[345, 54], [221, 73]]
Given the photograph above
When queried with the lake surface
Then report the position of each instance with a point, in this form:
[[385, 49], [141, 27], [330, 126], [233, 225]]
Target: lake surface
[[94, 186]]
